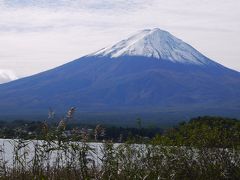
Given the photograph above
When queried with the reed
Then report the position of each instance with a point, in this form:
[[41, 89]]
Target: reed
[[61, 156]]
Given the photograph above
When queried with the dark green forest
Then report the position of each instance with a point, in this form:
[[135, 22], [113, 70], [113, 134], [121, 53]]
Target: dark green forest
[[202, 148], [201, 131]]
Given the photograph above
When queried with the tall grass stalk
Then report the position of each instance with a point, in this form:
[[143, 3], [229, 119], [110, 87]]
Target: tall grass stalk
[[62, 156]]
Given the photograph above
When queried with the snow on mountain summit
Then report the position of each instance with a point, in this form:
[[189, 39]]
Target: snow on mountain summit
[[155, 43]]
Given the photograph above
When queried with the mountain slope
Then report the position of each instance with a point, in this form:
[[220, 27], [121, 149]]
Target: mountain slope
[[130, 83]]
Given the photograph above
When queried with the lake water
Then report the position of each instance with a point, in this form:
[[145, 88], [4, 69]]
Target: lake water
[[28, 149]]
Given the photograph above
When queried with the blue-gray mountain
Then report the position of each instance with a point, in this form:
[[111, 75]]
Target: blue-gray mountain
[[150, 74]]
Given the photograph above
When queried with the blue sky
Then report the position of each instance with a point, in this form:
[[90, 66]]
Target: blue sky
[[38, 35]]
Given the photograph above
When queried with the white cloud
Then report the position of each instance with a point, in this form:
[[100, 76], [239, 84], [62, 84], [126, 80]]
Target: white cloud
[[38, 35], [7, 75]]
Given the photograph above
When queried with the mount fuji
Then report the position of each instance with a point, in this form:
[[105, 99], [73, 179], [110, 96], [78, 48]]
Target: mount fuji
[[156, 43], [151, 74]]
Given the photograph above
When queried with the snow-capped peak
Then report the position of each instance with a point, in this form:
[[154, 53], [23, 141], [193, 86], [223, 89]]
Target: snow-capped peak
[[155, 43]]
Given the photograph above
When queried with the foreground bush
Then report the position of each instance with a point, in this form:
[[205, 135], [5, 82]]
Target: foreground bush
[[74, 160], [176, 155]]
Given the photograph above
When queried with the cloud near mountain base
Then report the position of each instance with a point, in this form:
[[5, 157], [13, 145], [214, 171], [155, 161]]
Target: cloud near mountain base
[[7, 75]]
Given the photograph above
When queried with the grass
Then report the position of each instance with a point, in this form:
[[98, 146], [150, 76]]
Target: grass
[[61, 156]]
